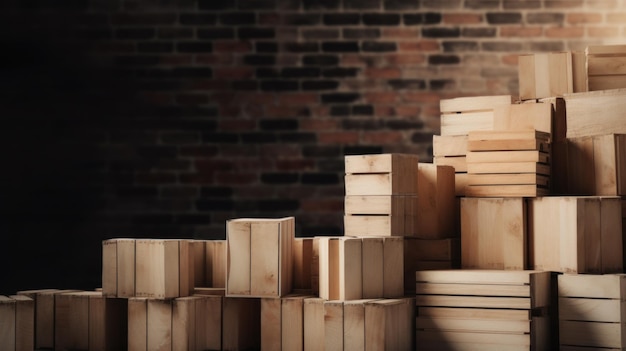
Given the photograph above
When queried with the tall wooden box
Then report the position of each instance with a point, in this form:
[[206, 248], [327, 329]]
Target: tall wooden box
[[163, 268], [597, 165], [451, 151], [575, 234], [314, 334], [483, 310], [118, 267], [302, 263], [282, 323], [605, 67], [384, 174], [493, 233], [436, 202], [259, 257], [592, 312], [544, 75], [461, 115], [17, 321], [209, 263], [380, 215]]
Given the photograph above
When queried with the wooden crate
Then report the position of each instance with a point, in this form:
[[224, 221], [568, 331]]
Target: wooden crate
[[450, 151], [429, 254], [606, 67], [591, 312], [118, 267], [464, 114], [282, 323], [209, 263], [163, 268], [17, 318], [259, 257], [493, 233], [597, 166], [544, 75], [575, 234], [483, 310], [595, 113], [530, 115], [385, 174], [380, 215], [302, 263]]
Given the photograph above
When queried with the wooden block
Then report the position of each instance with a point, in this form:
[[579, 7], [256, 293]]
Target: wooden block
[[350, 269], [493, 233], [44, 315], [386, 174], [354, 324], [118, 267], [393, 270], [566, 234], [373, 267], [302, 259], [595, 113], [526, 116], [259, 257], [108, 323], [460, 183], [71, 321], [164, 268], [159, 328], [24, 323], [216, 263], [241, 325], [508, 140], [595, 165], [545, 74], [271, 337], [507, 156], [377, 225], [464, 114], [579, 71], [509, 179], [436, 210], [605, 67], [282, 323], [383, 163], [314, 329], [459, 163], [210, 291], [184, 323], [315, 268], [8, 331], [333, 325], [516, 190], [390, 324], [508, 167], [137, 324], [209, 323], [452, 145]]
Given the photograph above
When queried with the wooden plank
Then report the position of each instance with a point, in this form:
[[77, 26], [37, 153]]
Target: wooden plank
[[374, 204], [436, 201], [184, 253], [287, 235], [292, 319], [354, 324], [328, 267], [606, 65], [216, 255], [608, 286], [157, 268], [126, 267], [72, 321], [607, 82], [463, 123], [202, 278], [611, 239], [137, 324], [238, 262], [472, 289], [333, 325], [508, 167], [355, 225], [507, 156], [478, 339], [474, 313], [451, 145], [209, 323], [503, 135], [506, 191], [579, 71], [380, 184], [595, 113], [474, 325], [372, 267], [509, 179], [535, 116], [8, 307], [264, 259], [393, 270], [526, 76], [479, 276], [473, 103], [509, 145], [459, 163], [159, 328], [24, 323], [350, 269], [184, 323], [302, 260], [590, 310], [314, 328], [544, 75], [590, 334], [271, 337], [606, 50], [109, 267], [383, 163]]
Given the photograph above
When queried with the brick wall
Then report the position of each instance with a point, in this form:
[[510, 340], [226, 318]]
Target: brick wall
[[166, 118]]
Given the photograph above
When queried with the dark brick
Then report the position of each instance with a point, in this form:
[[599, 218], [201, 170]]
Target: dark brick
[[456, 46], [547, 46], [194, 46], [320, 178], [157, 85], [197, 19], [362, 4], [135, 33], [340, 98], [191, 219], [280, 178], [545, 17], [363, 110], [339, 19], [340, 110], [238, 18], [320, 34], [267, 73], [378, 46], [443, 59], [216, 4], [422, 137], [504, 17], [258, 138], [279, 85], [278, 124], [137, 191], [220, 138], [320, 85], [441, 32], [299, 138], [362, 124], [320, 60], [216, 191], [442, 4], [403, 124], [324, 151], [301, 72], [339, 72], [441, 84], [175, 33], [266, 47], [340, 46], [244, 85], [501, 46], [216, 33], [256, 33], [421, 18], [482, 4], [479, 32], [331, 165], [256, 4], [214, 205], [137, 60], [401, 4], [562, 4], [302, 47], [411, 84], [362, 150], [152, 219], [298, 19], [361, 33], [94, 34], [381, 19], [320, 4], [155, 47], [522, 4], [259, 60], [278, 205]]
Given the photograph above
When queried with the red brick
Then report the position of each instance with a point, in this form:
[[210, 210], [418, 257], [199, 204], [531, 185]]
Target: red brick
[[424, 97], [196, 178], [295, 165], [602, 32], [524, 32], [407, 110], [270, 18], [230, 111], [400, 33], [383, 73], [253, 163], [383, 137], [176, 60], [322, 205], [338, 137], [232, 46], [582, 18], [616, 17], [421, 45], [381, 97], [406, 59], [207, 84], [235, 178], [298, 99], [237, 151], [213, 165], [238, 124], [198, 151], [159, 99], [257, 98], [233, 73], [155, 178], [318, 124], [285, 111], [462, 18], [362, 60], [567, 32], [384, 111], [192, 99], [287, 60], [248, 192], [222, 59], [320, 111], [511, 60], [143, 18], [117, 47], [280, 151]]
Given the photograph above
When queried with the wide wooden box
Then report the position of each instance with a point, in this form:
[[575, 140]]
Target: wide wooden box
[[380, 215], [544, 75], [592, 312], [384, 174], [606, 67], [259, 262], [575, 234], [461, 115], [493, 233], [483, 310], [17, 323]]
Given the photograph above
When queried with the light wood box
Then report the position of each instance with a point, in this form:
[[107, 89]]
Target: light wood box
[[302, 263], [17, 318], [595, 113], [209, 263], [259, 262], [575, 234], [282, 323], [464, 114], [380, 215], [606, 67], [436, 210], [483, 310], [544, 75], [384, 174], [592, 311]]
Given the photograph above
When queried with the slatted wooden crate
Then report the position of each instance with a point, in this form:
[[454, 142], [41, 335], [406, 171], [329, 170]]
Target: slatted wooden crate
[[17, 321], [575, 234], [384, 174], [259, 257], [595, 113], [209, 263], [493, 233], [429, 254], [437, 215], [452, 151], [461, 115], [282, 323], [544, 75], [508, 163], [606, 67], [597, 165], [380, 215], [483, 310], [592, 312]]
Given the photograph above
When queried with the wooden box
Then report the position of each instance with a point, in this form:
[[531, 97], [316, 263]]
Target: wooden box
[[530, 115], [429, 254], [493, 233], [209, 263], [302, 263], [592, 312], [385, 174], [451, 150], [118, 267], [282, 323], [380, 215], [483, 310], [17, 318], [606, 67], [575, 234], [597, 165], [544, 75], [163, 268], [259, 257], [461, 115], [595, 113], [436, 215], [314, 335]]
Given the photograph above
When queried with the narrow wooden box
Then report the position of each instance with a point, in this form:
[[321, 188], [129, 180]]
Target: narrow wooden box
[[429, 254], [483, 310], [282, 323], [163, 268], [493, 233], [17, 321], [384, 174], [314, 334], [544, 75], [450, 151], [575, 234], [380, 215], [605, 67], [595, 113], [302, 263], [259, 257], [597, 165], [209, 263], [592, 312], [461, 115], [436, 210], [118, 267]]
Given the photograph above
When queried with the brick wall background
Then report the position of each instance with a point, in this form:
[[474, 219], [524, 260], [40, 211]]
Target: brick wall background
[[163, 118]]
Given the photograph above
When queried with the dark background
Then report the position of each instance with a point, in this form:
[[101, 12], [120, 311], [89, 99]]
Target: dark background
[[156, 118]]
